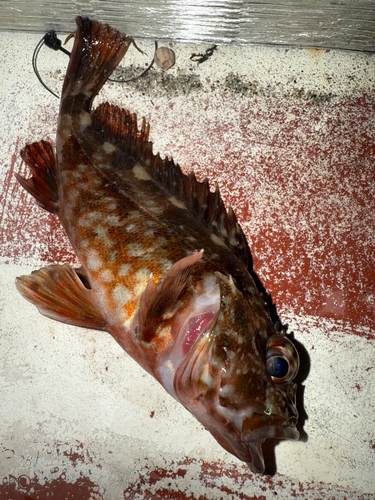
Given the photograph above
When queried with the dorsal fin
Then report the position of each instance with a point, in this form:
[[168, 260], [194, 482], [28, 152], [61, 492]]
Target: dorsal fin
[[120, 126]]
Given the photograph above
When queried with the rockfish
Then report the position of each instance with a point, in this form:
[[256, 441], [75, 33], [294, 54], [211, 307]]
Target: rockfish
[[164, 265]]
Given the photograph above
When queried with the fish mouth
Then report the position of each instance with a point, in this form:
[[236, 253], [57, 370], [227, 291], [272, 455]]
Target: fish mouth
[[257, 437]]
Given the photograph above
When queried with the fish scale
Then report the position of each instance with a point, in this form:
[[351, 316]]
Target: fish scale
[[165, 267]]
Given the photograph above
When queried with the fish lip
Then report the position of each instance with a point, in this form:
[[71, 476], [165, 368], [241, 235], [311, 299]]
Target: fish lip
[[256, 453], [255, 440], [284, 431]]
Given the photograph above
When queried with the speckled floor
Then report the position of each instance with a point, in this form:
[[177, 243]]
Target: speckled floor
[[288, 135]]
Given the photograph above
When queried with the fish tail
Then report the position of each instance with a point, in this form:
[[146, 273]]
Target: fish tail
[[97, 51]]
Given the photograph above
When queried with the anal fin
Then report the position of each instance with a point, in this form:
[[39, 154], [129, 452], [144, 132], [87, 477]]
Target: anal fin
[[41, 160], [59, 293], [161, 298]]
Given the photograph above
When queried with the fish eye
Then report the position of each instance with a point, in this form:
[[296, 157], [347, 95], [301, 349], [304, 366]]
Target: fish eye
[[282, 360], [277, 367]]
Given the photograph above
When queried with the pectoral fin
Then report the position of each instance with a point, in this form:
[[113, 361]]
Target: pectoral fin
[[161, 298], [59, 293]]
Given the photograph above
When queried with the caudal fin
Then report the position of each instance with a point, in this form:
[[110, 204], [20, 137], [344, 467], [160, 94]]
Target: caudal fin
[[97, 50]]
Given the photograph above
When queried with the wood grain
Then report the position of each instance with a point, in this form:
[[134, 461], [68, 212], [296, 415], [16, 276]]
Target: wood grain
[[344, 25]]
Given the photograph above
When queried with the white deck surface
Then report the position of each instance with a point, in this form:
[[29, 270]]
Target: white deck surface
[[73, 405]]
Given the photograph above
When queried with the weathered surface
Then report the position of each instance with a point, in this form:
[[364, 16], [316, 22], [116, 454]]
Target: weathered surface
[[289, 138], [323, 24]]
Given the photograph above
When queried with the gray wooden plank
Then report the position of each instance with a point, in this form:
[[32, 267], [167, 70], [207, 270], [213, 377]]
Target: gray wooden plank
[[322, 23]]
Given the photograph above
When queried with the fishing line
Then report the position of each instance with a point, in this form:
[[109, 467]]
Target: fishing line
[[50, 40], [46, 40]]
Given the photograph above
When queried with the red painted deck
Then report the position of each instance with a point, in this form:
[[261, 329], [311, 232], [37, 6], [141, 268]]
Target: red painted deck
[[299, 170]]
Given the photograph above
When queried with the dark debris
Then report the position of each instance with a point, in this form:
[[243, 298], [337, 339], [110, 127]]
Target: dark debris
[[159, 84]]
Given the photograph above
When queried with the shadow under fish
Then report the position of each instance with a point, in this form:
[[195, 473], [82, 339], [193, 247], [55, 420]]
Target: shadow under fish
[[164, 264]]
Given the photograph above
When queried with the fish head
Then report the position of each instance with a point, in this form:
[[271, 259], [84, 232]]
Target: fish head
[[237, 377]]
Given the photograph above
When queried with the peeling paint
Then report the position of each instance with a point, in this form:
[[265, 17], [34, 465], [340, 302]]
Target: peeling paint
[[25, 488], [289, 137], [180, 480]]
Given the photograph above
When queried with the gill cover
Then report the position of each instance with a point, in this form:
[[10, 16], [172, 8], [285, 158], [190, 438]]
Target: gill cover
[[227, 382]]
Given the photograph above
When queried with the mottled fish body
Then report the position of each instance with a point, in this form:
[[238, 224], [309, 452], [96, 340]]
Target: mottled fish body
[[164, 265]]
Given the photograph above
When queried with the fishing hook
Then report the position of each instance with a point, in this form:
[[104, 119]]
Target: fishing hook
[[50, 40], [143, 72]]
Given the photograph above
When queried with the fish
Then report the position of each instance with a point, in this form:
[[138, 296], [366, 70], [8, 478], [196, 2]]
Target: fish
[[164, 266]]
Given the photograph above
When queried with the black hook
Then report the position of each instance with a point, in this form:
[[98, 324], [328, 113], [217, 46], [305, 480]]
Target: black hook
[[50, 40]]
